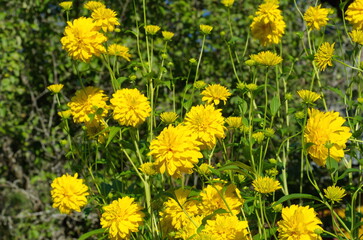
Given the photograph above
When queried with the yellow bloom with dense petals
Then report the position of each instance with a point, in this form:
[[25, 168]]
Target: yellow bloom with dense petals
[[148, 168], [206, 29], [215, 93], [308, 96], [87, 102], [226, 227], [105, 19], [93, 5], [266, 185], [234, 122], [130, 107], [66, 5], [299, 223], [119, 50], [316, 17], [354, 14], [178, 212], [334, 193], [325, 128], [82, 40], [69, 193], [190, 230], [168, 117], [267, 58], [175, 151], [324, 55], [167, 35], [357, 36], [207, 122], [152, 29], [227, 3], [268, 26], [216, 196], [122, 217], [55, 88]]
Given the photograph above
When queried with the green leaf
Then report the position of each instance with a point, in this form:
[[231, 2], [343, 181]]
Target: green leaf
[[349, 170], [112, 133], [275, 105], [295, 196], [91, 233], [331, 164]]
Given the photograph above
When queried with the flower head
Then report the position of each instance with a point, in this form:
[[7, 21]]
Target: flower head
[[266, 185], [66, 5], [105, 19], [122, 217], [206, 29], [354, 14], [298, 223], [65, 114], [130, 107], [205, 169], [357, 36], [167, 35], [316, 17], [97, 130], [308, 96], [69, 193], [334, 193], [175, 151], [215, 93], [93, 5], [168, 117], [266, 58], [207, 122], [234, 122], [199, 84], [323, 128], [216, 196], [55, 88], [82, 40], [268, 26], [87, 102], [251, 87], [148, 168], [258, 136], [225, 227], [324, 55], [119, 50], [227, 3], [151, 29]]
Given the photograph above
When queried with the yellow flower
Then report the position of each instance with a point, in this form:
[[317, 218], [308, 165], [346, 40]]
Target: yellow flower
[[323, 128], [168, 117], [105, 19], [266, 185], [66, 5], [324, 55], [251, 87], [199, 84], [225, 227], [119, 50], [207, 122], [93, 5], [334, 193], [269, 132], [308, 96], [357, 36], [122, 217], [177, 213], [215, 93], [82, 39], [354, 14], [227, 3], [298, 223], [268, 26], [234, 122], [316, 17], [175, 151], [167, 35], [148, 168], [205, 169], [266, 58], [55, 88], [69, 193], [216, 196], [152, 29], [206, 29], [130, 107], [86, 102], [258, 136], [96, 129], [65, 114], [190, 230]]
